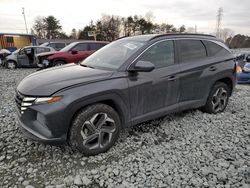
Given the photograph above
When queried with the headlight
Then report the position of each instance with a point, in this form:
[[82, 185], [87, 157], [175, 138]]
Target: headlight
[[42, 100], [45, 62]]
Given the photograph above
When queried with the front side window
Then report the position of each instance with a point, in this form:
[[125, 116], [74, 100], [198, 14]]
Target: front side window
[[191, 50], [81, 47], [160, 54]]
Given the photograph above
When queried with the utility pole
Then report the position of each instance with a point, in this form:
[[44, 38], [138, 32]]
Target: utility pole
[[25, 20], [218, 24]]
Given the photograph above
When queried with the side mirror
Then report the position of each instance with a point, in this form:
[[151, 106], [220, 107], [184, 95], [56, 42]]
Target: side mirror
[[142, 66], [74, 52]]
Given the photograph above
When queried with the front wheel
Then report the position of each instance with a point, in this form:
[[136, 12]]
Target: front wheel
[[95, 129], [11, 65], [217, 99], [58, 63]]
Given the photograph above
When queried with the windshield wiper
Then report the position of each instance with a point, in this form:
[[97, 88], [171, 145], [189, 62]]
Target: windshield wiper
[[87, 66]]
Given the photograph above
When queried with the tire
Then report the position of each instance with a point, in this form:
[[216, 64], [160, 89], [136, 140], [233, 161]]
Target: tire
[[58, 63], [218, 98], [90, 134], [11, 65]]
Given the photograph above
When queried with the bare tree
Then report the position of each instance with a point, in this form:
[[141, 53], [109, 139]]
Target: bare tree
[[226, 33], [39, 27]]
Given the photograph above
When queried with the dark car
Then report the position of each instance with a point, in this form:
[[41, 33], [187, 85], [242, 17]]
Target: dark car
[[25, 57], [56, 45], [73, 53], [127, 82]]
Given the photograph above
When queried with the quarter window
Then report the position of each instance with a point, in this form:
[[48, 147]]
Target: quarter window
[[191, 50], [161, 54], [215, 49]]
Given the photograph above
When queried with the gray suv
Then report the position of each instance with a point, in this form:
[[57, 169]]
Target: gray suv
[[127, 82]]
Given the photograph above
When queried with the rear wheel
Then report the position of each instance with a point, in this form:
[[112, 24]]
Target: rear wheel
[[11, 65], [95, 129], [217, 99], [58, 63]]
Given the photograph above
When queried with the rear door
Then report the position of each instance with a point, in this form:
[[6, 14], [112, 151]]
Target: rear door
[[195, 71], [153, 93]]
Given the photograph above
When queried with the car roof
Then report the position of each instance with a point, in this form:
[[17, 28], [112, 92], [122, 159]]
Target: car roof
[[36, 47], [150, 37], [91, 41]]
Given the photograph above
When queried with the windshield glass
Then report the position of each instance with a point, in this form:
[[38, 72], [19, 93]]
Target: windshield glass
[[113, 55], [67, 48]]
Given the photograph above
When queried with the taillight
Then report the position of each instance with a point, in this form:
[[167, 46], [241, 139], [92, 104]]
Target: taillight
[[238, 69]]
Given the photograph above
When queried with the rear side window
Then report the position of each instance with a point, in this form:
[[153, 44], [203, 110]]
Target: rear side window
[[161, 54], [190, 50], [94, 46], [214, 49]]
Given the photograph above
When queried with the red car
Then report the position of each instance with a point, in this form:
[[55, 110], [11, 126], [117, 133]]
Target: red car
[[73, 53]]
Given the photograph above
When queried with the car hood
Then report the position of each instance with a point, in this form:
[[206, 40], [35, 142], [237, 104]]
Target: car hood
[[49, 53], [49, 81], [11, 57]]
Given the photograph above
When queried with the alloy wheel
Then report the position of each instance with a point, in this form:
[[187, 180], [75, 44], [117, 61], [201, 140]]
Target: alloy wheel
[[219, 100], [97, 132]]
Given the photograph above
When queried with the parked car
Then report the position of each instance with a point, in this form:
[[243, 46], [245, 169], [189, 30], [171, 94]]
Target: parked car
[[56, 45], [25, 57], [3, 54], [243, 70], [127, 82], [73, 53]]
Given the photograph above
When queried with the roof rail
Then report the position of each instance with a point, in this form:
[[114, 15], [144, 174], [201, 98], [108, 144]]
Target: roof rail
[[182, 34]]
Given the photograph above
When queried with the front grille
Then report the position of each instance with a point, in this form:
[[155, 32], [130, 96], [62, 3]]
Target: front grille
[[23, 102]]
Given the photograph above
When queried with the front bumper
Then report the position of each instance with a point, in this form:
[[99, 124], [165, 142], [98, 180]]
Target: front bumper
[[44, 123]]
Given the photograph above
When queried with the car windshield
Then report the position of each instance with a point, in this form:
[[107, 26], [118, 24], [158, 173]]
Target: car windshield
[[16, 51], [113, 55], [67, 48]]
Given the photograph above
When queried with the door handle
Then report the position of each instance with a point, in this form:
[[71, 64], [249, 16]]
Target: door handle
[[172, 78], [212, 68]]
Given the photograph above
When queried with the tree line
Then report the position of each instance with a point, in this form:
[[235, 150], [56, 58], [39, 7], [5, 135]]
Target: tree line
[[107, 28], [238, 41]]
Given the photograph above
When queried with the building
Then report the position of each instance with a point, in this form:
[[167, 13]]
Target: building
[[13, 41]]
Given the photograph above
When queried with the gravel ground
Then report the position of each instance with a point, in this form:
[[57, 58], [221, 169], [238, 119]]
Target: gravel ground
[[188, 149]]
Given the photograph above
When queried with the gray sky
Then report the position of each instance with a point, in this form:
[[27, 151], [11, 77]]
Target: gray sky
[[78, 13]]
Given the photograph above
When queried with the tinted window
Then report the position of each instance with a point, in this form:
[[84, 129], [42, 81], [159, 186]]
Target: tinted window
[[81, 47], [161, 54], [41, 50], [190, 50], [215, 49]]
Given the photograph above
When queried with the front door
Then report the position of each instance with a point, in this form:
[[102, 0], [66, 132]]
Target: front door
[[22, 57], [157, 92], [82, 52]]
